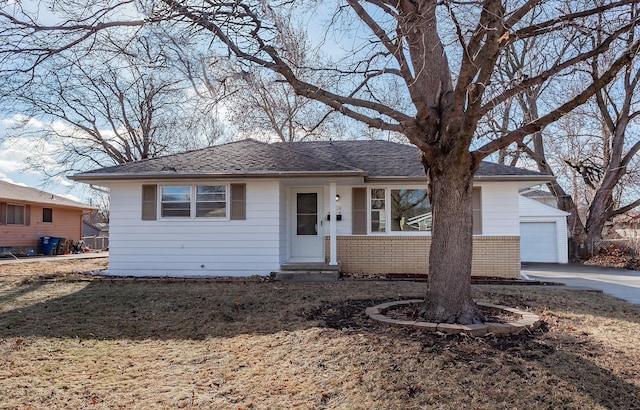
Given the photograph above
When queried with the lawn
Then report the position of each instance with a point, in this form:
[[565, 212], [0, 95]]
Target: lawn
[[73, 341]]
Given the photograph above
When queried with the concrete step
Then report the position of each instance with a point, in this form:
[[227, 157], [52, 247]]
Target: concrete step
[[307, 276], [309, 267]]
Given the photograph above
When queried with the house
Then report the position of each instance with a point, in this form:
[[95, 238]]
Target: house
[[539, 195], [27, 214], [248, 207], [543, 232], [95, 234]]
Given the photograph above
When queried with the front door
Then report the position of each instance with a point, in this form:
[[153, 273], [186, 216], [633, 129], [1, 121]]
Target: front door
[[307, 239]]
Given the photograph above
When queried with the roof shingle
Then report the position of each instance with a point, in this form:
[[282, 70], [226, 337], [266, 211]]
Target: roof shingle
[[22, 194], [371, 158]]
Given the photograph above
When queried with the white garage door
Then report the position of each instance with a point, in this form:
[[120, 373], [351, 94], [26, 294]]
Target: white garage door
[[538, 242]]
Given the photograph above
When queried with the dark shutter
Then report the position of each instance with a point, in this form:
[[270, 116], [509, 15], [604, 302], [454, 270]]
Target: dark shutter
[[149, 202], [238, 202], [477, 211], [359, 211], [27, 215], [3, 213]]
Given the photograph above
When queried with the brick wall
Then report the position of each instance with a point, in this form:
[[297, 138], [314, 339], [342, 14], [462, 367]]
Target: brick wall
[[495, 256]]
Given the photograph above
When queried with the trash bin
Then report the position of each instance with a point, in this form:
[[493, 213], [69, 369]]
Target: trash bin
[[48, 244], [60, 248]]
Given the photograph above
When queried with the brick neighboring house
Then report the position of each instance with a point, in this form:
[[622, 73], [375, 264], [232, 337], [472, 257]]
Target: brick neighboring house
[[27, 214], [248, 207]]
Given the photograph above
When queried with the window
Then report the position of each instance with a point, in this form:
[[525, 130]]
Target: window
[[378, 213], [395, 210], [200, 201], [194, 201], [211, 201], [15, 215], [410, 210], [47, 215], [176, 201]]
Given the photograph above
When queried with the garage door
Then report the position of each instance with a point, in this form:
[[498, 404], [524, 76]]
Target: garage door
[[538, 242]]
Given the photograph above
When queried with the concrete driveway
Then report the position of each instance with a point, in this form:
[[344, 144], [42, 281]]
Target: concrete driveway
[[621, 283], [26, 259]]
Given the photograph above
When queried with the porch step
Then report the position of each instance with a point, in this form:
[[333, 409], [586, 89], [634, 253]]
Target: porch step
[[309, 266], [307, 276], [307, 272]]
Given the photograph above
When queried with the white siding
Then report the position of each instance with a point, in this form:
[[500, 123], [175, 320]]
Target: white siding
[[500, 209], [197, 247], [343, 208], [284, 223]]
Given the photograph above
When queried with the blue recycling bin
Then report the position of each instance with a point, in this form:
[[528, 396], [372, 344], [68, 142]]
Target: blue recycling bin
[[49, 244], [46, 245]]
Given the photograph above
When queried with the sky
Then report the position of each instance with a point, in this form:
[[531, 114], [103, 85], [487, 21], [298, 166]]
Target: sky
[[13, 169]]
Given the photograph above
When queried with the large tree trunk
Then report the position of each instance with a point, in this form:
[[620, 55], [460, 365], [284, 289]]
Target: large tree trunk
[[448, 298]]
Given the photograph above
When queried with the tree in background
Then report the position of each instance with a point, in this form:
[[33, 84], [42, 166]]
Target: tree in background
[[597, 152], [118, 104], [442, 55]]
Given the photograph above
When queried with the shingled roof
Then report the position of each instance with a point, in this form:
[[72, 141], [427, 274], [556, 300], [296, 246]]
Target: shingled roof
[[16, 193], [373, 159]]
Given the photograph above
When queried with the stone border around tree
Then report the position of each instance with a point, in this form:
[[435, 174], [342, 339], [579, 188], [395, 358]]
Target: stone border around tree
[[528, 321]]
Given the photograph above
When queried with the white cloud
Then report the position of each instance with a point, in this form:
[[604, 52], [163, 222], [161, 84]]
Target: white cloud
[[13, 156], [19, 120], [11, 181]]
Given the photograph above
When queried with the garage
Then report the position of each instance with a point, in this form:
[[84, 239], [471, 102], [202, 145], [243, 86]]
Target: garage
[[543, 232], [538, 242]]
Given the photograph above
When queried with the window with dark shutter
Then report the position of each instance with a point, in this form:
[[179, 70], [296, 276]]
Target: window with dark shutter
[[238, 202], [3, 213], [359, 211], [477, 211], [149, 202]]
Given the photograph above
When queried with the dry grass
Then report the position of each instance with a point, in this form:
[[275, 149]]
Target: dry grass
[[70, 342]]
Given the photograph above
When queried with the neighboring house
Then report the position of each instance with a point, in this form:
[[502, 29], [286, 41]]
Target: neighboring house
[[539, 195], [27, 214], [248, 208], [543, 232], [95, 234]]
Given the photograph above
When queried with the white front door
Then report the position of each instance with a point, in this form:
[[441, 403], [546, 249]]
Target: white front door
[[307, 238]]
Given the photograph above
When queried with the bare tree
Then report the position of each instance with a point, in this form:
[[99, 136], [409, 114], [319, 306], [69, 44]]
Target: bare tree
[[599, 151], [403, 46], [117, 105], [263, 107]]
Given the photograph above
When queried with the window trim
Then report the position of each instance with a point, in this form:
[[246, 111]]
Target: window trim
[[387, 196], [387, 213], [50, 216], [8, 214], [193, 202]]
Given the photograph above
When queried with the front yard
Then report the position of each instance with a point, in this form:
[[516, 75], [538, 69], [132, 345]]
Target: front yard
[[73, 341]]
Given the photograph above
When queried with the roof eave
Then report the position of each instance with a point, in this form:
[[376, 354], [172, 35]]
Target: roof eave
[[488, 178], [111, 177], [515, 178], [52, 204]]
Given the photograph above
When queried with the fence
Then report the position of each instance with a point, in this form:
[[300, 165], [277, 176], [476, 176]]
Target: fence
[[96, 242]]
